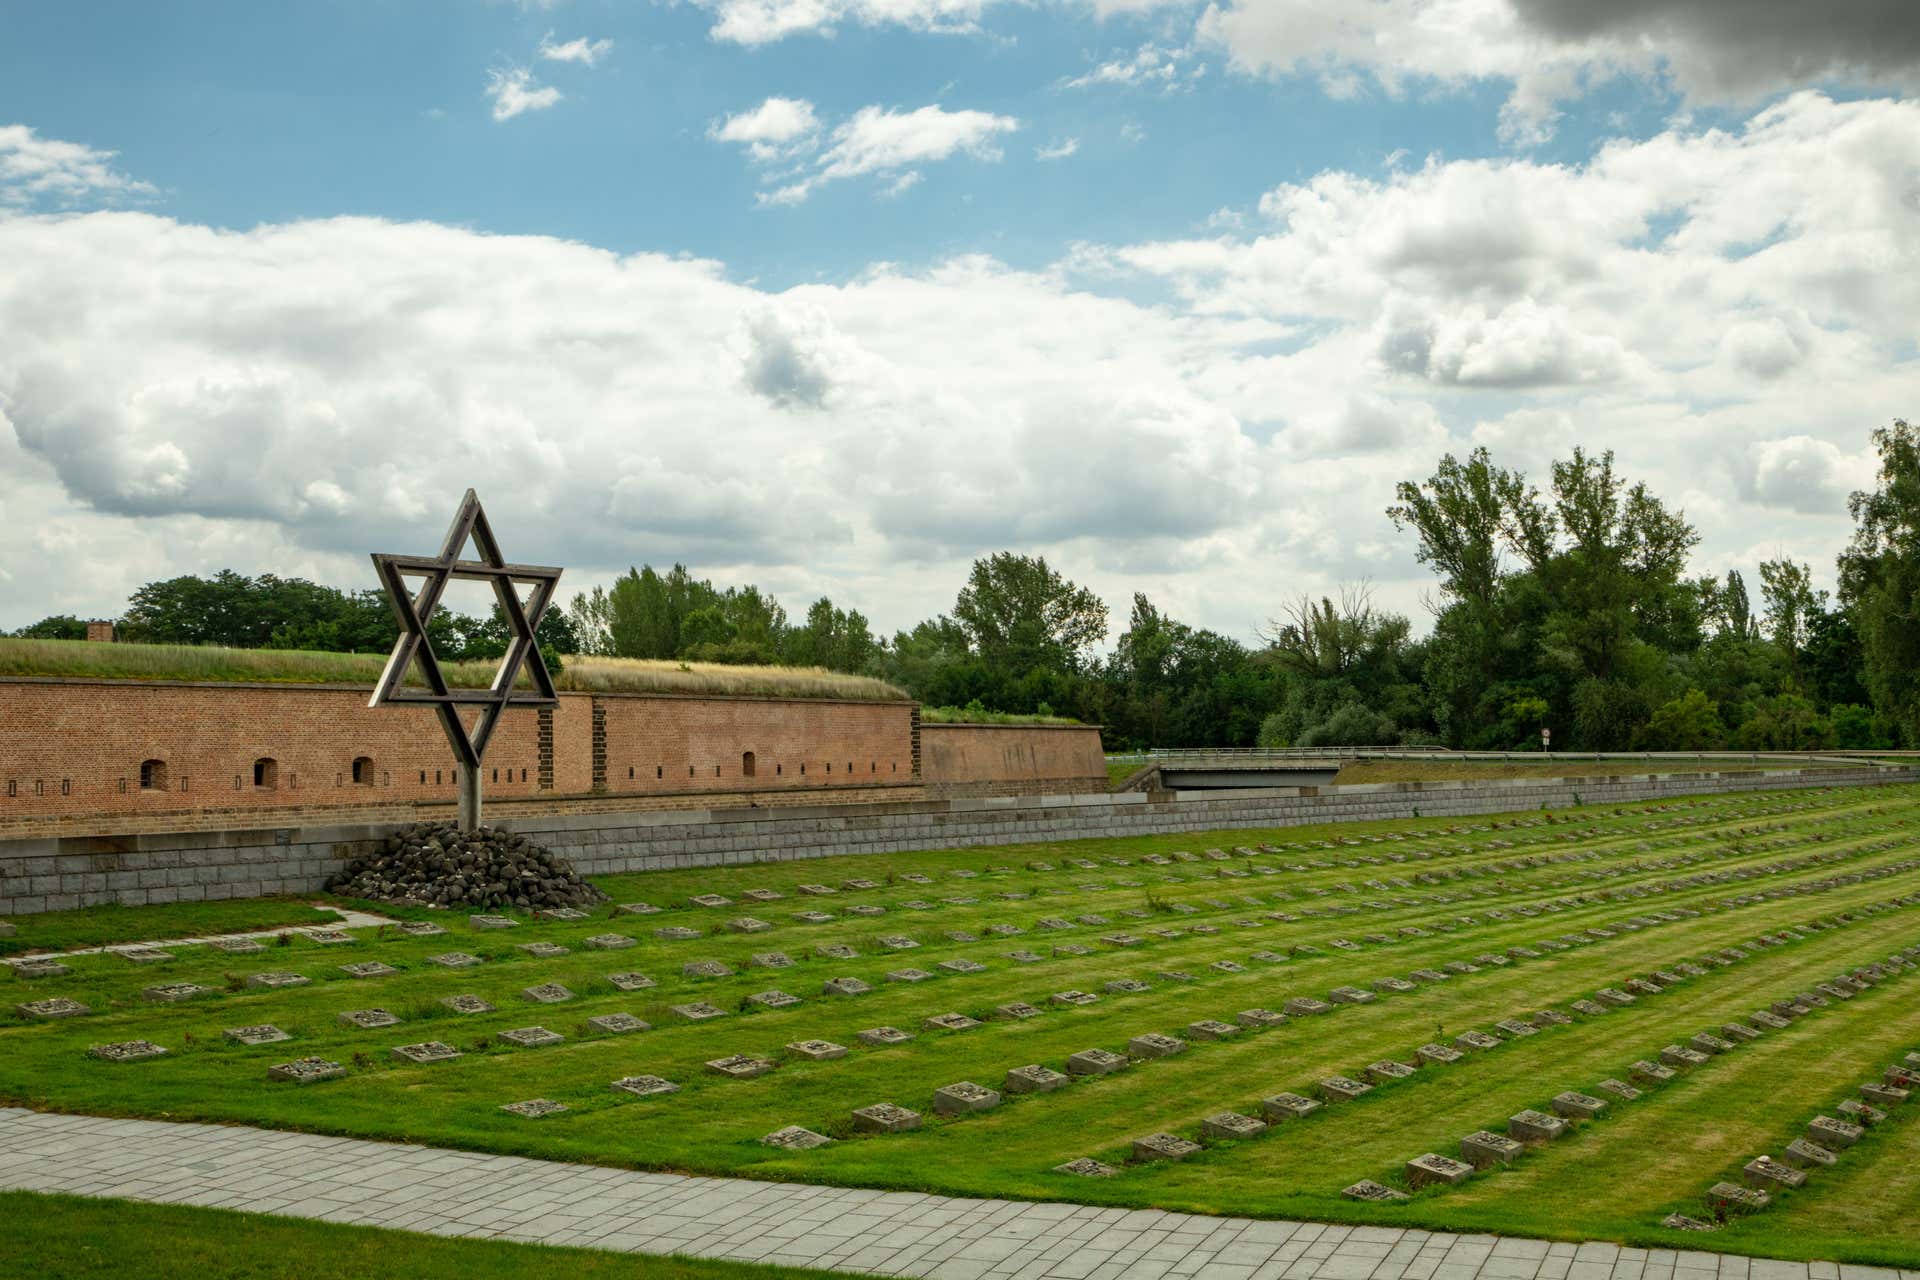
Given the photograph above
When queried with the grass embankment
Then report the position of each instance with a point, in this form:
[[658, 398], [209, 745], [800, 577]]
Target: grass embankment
[[85, 659], [107, 925], [1359, 771], [1614, 1178], [73, 1236], [980, 715]]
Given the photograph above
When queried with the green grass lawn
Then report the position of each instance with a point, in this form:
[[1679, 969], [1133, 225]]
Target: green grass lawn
[[72, 1236], [1407, 894], [103, 926]]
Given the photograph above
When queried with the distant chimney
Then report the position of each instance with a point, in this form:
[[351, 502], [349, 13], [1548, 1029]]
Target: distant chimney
[[100, 631]]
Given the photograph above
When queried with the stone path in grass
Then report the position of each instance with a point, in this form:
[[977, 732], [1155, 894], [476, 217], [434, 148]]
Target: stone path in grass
[[349, 919], [457, 1193]]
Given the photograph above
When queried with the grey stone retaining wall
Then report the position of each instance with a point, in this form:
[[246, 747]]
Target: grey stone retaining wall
[[57, 873]]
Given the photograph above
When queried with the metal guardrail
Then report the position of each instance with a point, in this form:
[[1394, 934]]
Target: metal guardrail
[[1524, 757]]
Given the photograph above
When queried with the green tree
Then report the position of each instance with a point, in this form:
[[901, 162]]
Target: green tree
[[60, 626], [1791, 604], [1880, 580], [1021, 615], [1689, 722]]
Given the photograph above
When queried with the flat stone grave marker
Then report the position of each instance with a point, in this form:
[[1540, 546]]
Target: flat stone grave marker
[[630, 981], [1535, 1126], [1300, 1005], [1259, 1018], [1613, 996], [1342, 1089], [492, 922], [1096, 1062], [1429, 975], [306, 1071], [1024, 957], [763, 895], [1163, 1146], [546, 993], [698, 1011], [860, 883], [866, 909], [1484, 1149], [427, 1051], [559, 913], [1126, 986], [56, 1007], [1372, 1192], [1884, 1095], [1073, 997], [246, 946], [1619, 1089], [1155, 1045], [710, 900], [773, 999], [837, 951], [676, 933], [885, 1117], [1707, 1042], [1072, 949], [771, 960], [1679, 1056], [1765, 1171], [174, 992], [1093, 920], [748, 924], [530, 1037], [259, 1033], [1230, 1126], [1053, 924], [1650, 1072], [1769, 1020], [544, 950], [535, 1108], [454, 960], [1514, 1028], [1551, 1018], [609, 942], [467, 1004], [1086, 1167], [1433, 1169], [1476, 1040], [1592, 1008], [367, 1019], [963, 966], [126, 1051], [817, 1050], [1802, 1154], [1033, 1078], [1017, 1009], [844, 987], [916, 877], [740, 1066], [638, 909], [880, 1037], [795, 1138], [38, 969], [1211, 1029], [368, 969], [963, 900], [964, 1098], [813, 917], [705, 969], [949, 1022], [618, 1023], [1268, 957], [1438, 1053], [1232, 966], [1578, 1106], [150, 955], [1461, 966], [1393, 986], [644, 1086], [1386, 1070]]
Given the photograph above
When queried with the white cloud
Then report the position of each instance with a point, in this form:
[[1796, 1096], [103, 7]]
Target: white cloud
[[1057, 150], [874, 141], [514, 93], [1551, 51], [1730, 310], [37, 170], [580, 49], [1150, 64], [757, 22], [776, 128]]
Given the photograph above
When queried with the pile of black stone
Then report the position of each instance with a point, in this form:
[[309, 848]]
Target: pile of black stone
[[437, 864]]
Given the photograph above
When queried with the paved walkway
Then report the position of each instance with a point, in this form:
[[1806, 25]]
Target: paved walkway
[[349, 919], [455, 1193]]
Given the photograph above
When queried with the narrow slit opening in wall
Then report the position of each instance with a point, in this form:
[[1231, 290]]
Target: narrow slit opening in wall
[[630, 773], [423, 777], [66, 786], [496, 775], [659, 772]]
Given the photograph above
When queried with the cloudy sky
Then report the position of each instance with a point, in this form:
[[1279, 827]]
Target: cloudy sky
[[836, 295]]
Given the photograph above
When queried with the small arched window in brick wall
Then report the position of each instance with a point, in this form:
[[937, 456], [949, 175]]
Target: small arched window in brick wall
[[363, 771], [266, 773], [746, 764], [153, 775]]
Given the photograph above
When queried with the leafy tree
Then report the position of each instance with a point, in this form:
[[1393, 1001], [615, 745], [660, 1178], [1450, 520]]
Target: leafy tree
[[1690, 722], [1021, 615], [834, 638], [60, 626], [1791, 604], [1880, 579]]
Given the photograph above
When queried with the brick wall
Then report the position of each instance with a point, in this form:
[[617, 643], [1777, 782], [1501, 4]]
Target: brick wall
[[73, 750], [991, 760], [55, 873]]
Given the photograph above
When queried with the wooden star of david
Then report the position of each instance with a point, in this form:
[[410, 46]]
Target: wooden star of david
[[414, 609]]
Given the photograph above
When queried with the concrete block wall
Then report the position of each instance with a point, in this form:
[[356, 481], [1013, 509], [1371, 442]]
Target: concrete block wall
[[58, 873]]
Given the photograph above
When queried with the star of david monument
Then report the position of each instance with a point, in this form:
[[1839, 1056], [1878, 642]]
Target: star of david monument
[[413, 649]]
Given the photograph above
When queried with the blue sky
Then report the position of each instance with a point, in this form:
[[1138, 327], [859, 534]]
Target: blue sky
[[835, 295]]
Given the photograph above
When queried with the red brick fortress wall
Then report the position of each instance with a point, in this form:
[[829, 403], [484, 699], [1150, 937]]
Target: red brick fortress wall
[[999, 760]]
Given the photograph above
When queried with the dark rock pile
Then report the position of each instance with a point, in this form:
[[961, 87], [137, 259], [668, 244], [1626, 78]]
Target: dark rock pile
[[437, 864]]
